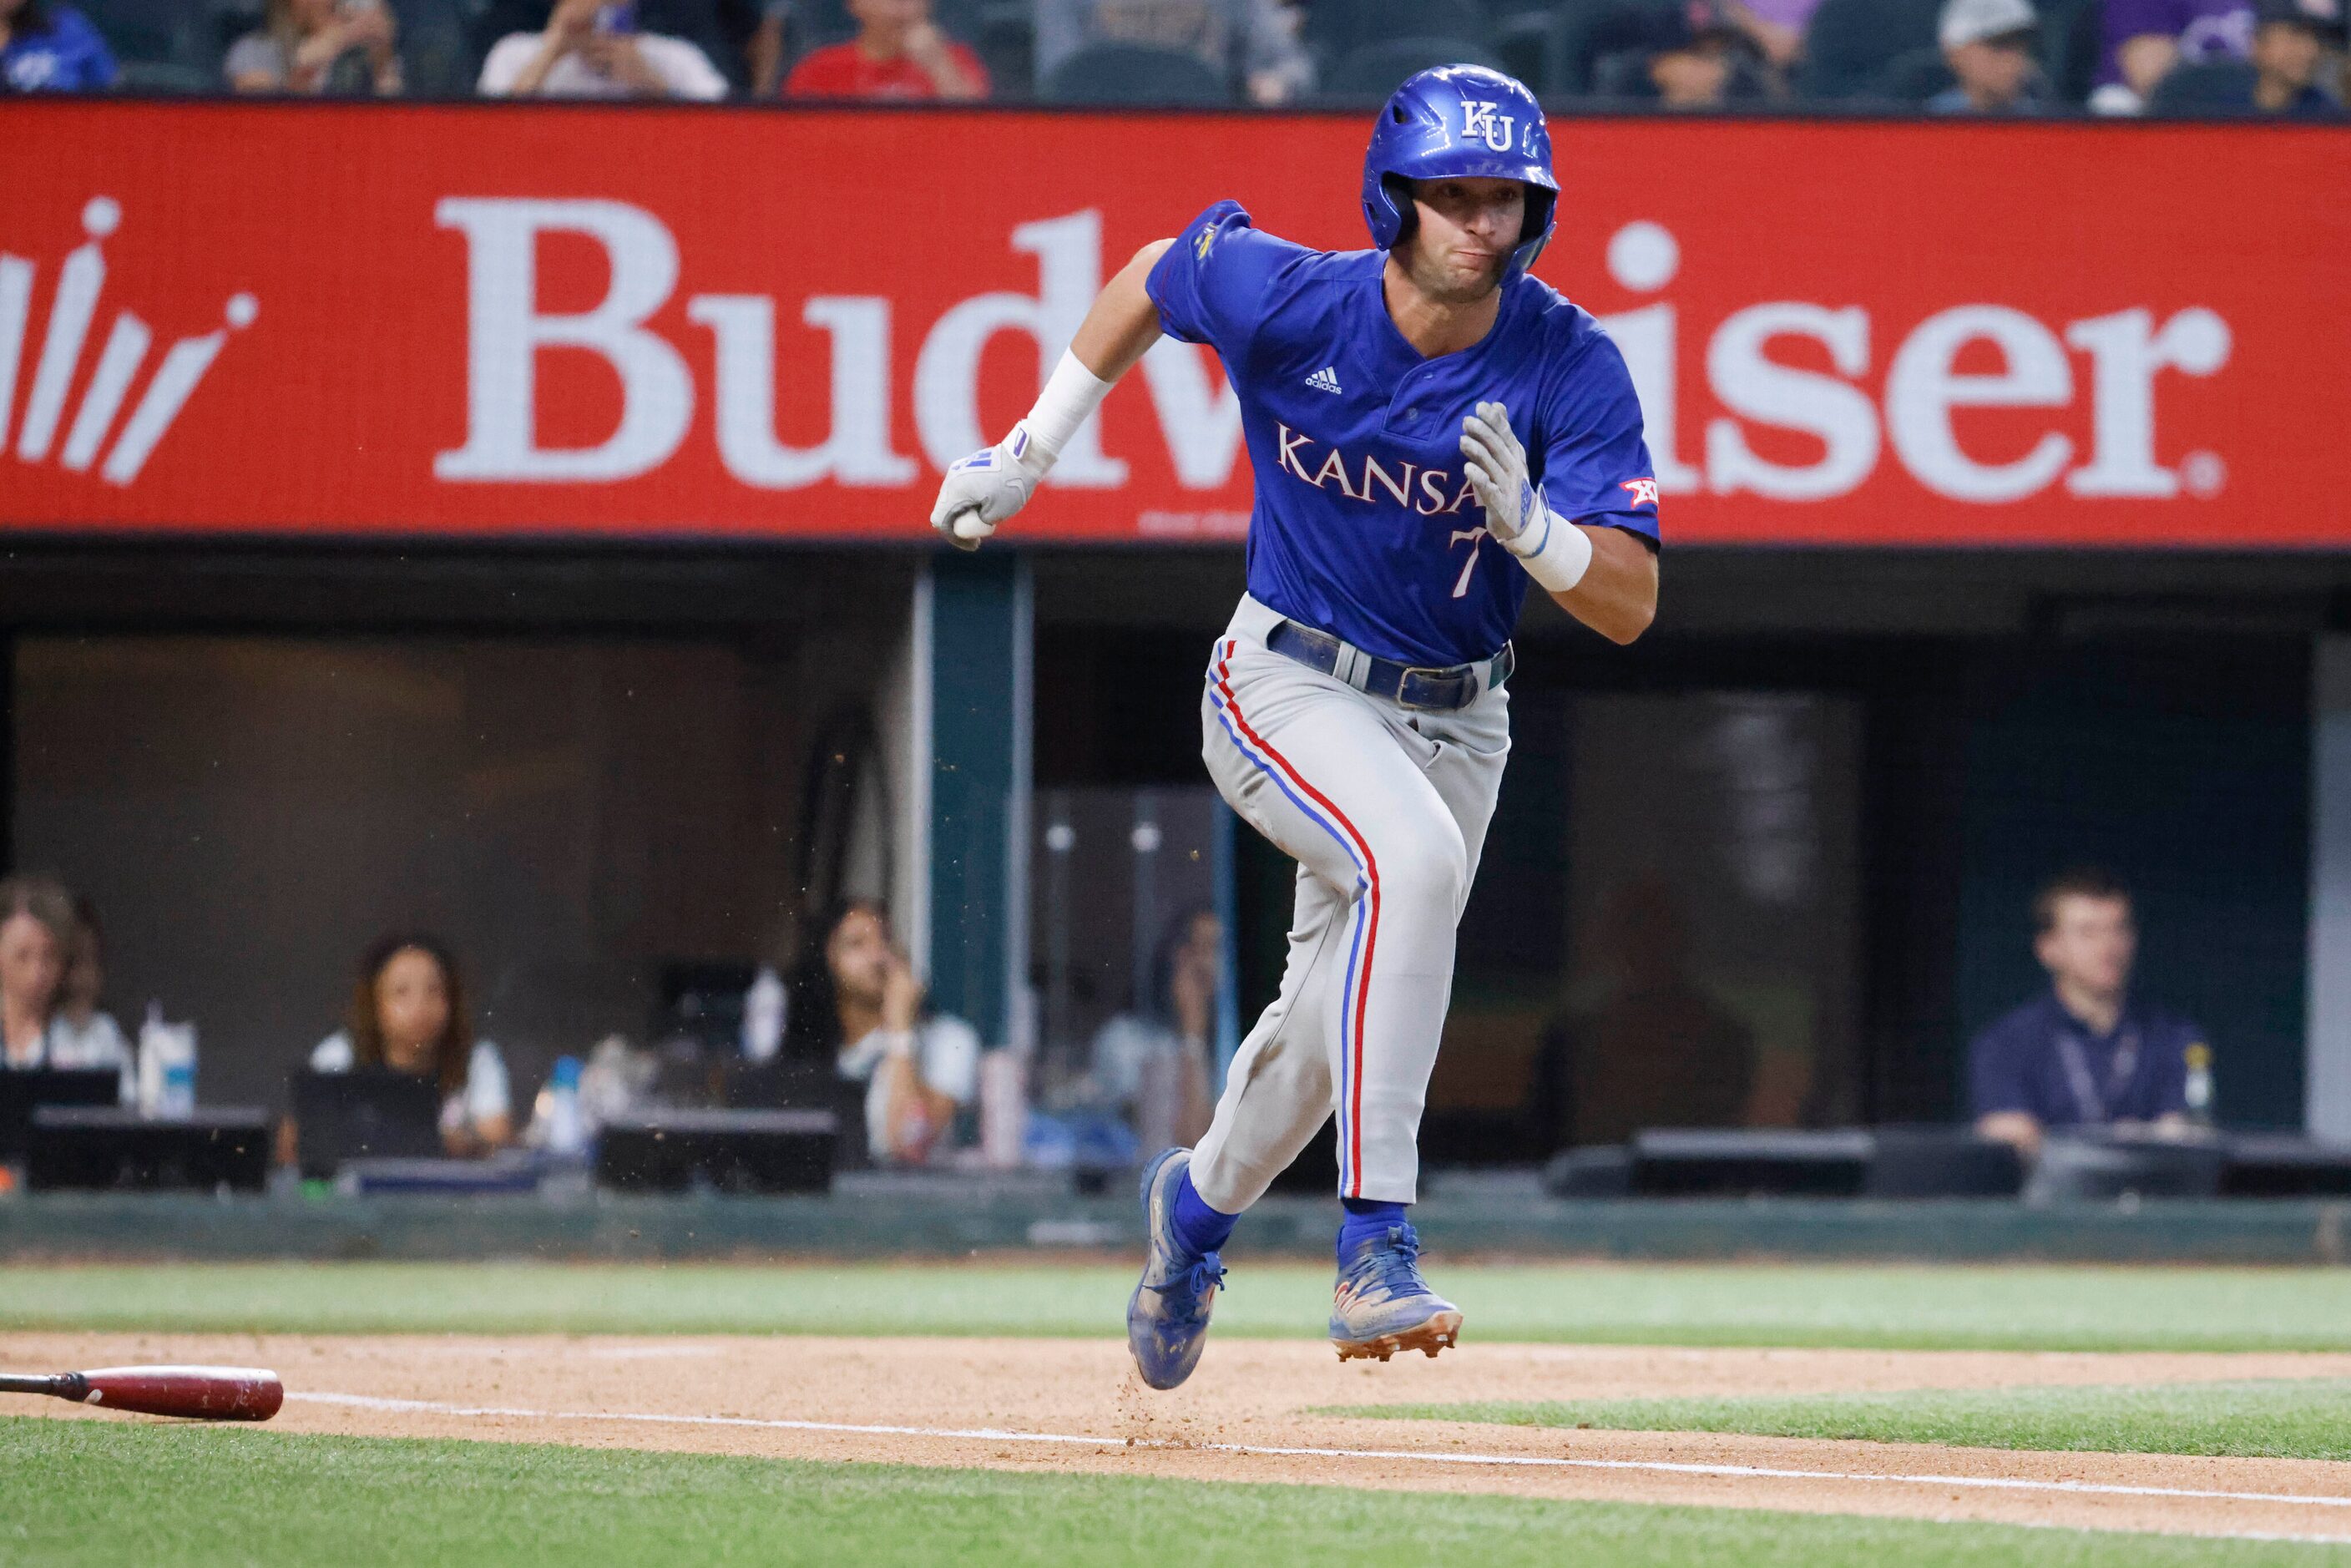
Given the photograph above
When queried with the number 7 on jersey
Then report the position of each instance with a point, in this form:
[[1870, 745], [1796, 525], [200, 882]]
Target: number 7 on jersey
[[1461, 588]]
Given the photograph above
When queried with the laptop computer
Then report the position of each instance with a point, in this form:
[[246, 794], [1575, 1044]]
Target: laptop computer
[[20, 1091], [369, 1113]]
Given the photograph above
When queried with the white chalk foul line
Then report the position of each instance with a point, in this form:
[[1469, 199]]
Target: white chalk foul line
[[1528, 1461]]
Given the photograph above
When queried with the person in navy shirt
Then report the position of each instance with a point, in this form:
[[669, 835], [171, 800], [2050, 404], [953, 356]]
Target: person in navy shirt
[[45, 48], [2086, 1052]]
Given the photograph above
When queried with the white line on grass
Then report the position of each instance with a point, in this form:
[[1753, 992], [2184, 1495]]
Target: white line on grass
[[1528, 1461]]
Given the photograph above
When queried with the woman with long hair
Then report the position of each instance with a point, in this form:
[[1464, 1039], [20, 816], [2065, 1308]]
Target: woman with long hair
[[860, 1002], [82, 1033], [36, 932], [342, 49], [408, 1014]]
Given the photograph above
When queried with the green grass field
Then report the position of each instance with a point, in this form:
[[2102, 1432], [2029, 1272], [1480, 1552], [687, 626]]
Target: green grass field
[[95, 1495], [75, 1493], [1884, 1307], [2268, 1419]]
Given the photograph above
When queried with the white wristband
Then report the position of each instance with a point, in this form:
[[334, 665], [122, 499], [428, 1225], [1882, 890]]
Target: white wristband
[[1071, 393], [1555, 552]]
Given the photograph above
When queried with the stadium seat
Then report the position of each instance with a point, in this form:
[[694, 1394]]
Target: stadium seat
[[1850, 43], [1134, 74], [1622, 75], [161, 78], [436, 49], [2214, 89], [2073, 37], [1583, 33], [173, 45], [1370, 73], [1335, 29], [1913, 78]]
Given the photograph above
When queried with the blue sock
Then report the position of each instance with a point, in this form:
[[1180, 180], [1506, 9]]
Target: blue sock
[[1366, 1220], [1199, 1228]]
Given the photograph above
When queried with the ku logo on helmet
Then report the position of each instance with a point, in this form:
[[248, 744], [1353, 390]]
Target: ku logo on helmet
[[1487, 123]]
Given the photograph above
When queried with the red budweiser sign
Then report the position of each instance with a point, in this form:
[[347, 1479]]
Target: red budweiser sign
[[567, 320]]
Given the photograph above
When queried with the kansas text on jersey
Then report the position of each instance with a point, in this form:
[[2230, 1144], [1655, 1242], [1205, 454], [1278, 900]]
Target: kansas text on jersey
[[1364, 523]]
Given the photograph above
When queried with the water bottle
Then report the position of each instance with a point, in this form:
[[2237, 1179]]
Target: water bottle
[[555, 1122], [2199, 1084], [763, 1015], [167, 1067]]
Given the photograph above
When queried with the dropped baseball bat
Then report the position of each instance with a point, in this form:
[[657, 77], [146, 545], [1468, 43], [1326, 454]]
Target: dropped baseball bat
[[199, 1393]]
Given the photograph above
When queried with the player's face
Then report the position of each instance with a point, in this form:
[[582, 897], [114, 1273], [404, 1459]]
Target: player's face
[[1467, 230], [2090, 943]]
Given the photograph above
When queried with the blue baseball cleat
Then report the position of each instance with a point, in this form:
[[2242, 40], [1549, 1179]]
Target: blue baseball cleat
[[1381, 1305], [1168, 1316]]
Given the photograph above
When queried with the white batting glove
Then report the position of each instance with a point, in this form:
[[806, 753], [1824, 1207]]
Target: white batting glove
[[1555, 552], [986, 488]]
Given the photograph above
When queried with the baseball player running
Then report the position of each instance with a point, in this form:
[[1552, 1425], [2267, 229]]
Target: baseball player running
[[1430, 428]]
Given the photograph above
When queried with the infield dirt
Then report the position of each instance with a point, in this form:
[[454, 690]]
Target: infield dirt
[[970, 1402]]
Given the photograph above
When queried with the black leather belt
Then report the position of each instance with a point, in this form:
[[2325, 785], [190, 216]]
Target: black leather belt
[[1408, 686]]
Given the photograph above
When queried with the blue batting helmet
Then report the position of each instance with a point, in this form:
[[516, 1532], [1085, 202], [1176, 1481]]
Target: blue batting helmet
[[1452, 122]]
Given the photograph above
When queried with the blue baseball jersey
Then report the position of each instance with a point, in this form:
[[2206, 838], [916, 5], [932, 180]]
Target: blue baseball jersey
[[67, 56], [1364, 523]]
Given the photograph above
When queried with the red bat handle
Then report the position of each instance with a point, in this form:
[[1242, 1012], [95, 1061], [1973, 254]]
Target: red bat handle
[[200, 1392]]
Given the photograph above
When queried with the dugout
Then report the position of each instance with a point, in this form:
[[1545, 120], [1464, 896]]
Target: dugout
[[1836, 776], [595, 774]]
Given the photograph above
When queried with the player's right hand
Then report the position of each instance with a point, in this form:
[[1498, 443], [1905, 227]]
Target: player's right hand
[[983, 489]]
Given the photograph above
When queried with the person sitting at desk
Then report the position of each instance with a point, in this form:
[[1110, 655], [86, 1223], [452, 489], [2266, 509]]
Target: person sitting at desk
[[919, 1069], [2085, 1053], [82, 1031], [408, 1014], [37, 935]]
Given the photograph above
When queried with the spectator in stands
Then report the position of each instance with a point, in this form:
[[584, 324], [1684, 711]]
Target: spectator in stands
[[1689, 57], [592, 48], [1777, 26], [919, 1069], [2085, 1053], [2144, 38], [2291, 39], [80, 1034], [49, 48], [898, 52], [1253, 43], [1989, 46], [342, 49], [408, 1013], [1153, 1060], [35, 933]]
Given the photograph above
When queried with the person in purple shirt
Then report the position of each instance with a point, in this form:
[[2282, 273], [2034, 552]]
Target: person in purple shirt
[[2144, 38], [51, 48], [2086, 1052]]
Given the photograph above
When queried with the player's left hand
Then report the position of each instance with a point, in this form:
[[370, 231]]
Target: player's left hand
[[1497, 473]]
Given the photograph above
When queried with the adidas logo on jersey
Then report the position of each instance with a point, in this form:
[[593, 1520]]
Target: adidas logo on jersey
[[72, 307], [1324, 380]]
